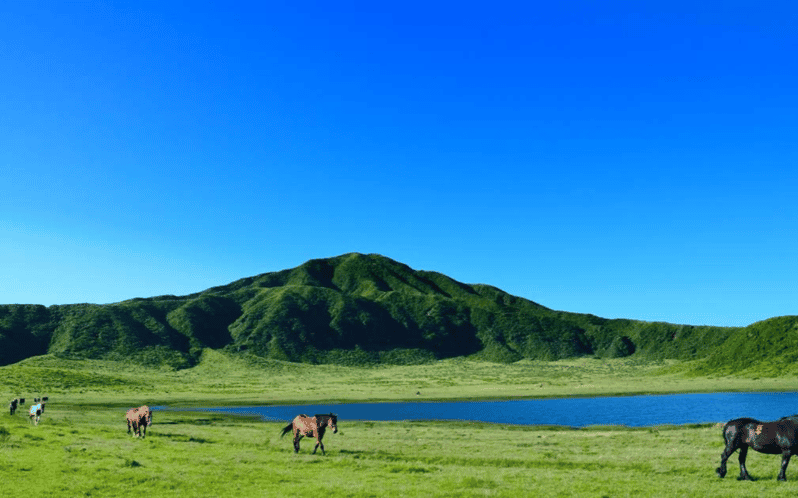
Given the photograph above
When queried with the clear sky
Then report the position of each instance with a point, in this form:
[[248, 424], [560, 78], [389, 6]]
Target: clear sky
[[625, 159]]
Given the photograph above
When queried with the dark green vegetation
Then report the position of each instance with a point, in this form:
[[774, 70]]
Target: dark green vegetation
[[77, 451], [366, 309]]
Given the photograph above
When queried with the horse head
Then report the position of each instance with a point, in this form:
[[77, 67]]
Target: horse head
[[332, 423], [146, 414]]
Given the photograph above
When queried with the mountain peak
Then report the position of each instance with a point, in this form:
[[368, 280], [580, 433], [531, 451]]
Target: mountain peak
[[356, 308]]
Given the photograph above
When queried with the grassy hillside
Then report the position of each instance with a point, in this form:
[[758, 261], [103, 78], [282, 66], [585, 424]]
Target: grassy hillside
[[225, 378], [359, 309]]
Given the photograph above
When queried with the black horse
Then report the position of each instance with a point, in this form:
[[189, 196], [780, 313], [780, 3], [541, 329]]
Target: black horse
[[15, 404], [772, 438]]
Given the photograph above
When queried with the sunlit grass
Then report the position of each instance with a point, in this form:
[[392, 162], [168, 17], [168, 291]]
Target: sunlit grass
[[226, 379], [76, 452], [82, 448]]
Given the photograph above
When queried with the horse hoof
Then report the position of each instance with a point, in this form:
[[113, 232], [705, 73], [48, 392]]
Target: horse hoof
[[720, 473]]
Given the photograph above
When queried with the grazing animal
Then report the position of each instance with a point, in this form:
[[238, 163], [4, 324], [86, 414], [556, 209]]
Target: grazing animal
[[302, 425], [35, 413], [15, 404], [139, 419], [772, 438]]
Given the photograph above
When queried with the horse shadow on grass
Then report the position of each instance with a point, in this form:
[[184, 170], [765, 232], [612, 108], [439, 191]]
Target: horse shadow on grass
[[183, 438]]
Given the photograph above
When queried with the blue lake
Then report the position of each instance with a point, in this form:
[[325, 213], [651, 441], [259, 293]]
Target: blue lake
[[633, 411]]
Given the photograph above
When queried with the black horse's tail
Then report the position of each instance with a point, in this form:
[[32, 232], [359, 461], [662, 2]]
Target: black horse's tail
[[287, 429]]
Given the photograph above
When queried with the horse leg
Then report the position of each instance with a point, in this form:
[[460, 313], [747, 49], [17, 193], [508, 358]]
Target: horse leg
[[297, 437], [318, 443], [785, 460], [727, 452], [743, 471]]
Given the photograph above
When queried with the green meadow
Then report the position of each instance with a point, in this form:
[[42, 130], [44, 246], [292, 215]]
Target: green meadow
[[222, 378], [81, 447], [78, 452]]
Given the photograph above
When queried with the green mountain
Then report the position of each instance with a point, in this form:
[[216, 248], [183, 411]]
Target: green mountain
[[357, 309]]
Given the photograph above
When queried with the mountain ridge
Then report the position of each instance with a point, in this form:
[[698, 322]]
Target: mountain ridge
[[360, 309]]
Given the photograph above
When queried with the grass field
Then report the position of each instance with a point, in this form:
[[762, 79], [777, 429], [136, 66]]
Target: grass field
[[81, 447], [76, 452], [222, 379]]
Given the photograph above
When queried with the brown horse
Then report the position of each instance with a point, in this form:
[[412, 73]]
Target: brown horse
[[138, 419], [302, 425], [772, 438]]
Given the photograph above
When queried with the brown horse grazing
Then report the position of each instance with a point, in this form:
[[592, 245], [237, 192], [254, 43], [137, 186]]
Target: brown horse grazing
[[772, 438], [138, 419], [302, 425]]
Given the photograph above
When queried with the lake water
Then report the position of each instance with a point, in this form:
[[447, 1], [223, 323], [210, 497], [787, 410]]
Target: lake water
[[633, 411]]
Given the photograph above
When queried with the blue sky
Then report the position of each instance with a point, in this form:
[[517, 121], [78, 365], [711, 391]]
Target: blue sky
[[625, 159]]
